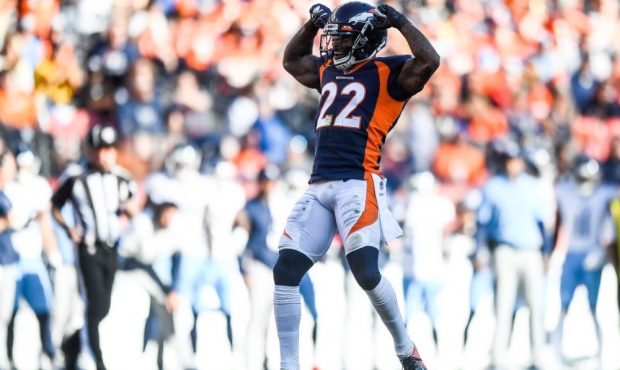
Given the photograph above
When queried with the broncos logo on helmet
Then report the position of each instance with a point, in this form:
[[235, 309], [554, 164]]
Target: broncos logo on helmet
[[361, 17], [349, 37]]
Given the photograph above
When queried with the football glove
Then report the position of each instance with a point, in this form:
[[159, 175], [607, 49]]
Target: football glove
[[385, 17], [319, 14]]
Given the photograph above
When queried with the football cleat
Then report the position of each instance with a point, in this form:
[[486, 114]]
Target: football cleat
[[413, 362]]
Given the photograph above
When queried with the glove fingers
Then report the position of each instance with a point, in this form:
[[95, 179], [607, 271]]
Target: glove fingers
[[379, 13], [383, 8]]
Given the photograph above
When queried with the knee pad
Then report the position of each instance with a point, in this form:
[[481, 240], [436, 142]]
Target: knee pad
[[364, 264], [290, 267]]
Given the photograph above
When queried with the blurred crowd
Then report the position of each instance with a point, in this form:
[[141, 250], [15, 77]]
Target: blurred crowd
[[169, 71], [208, 73]]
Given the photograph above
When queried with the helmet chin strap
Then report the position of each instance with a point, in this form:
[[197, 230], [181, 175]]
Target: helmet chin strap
[[343, 66]]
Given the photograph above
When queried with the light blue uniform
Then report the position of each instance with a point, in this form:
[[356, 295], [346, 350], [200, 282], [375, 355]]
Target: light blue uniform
[[588, 225]]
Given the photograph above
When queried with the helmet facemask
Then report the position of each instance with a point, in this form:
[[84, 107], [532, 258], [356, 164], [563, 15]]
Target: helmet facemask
[[345, 46]]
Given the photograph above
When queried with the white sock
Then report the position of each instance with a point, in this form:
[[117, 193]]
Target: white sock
[[287, 310], [556, 337], [384, 300]]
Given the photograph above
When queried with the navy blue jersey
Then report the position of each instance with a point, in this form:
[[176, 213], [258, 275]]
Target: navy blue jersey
[[8, 254], [356, 111], [259, 215]]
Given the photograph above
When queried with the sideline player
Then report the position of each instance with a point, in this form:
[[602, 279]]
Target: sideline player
[[429, 214], [9, 258], [33, 234], [148, 249], [362, 98], [257, 262], [182, 183], [584, 219]]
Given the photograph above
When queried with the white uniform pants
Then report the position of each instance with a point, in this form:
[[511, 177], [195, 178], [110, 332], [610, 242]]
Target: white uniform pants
[[514, 268]]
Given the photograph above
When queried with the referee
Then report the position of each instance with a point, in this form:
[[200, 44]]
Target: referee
[[100, 192]]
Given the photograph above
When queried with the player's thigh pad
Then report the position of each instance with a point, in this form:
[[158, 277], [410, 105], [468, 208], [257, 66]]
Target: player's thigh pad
[[357, 214], [310, 227]]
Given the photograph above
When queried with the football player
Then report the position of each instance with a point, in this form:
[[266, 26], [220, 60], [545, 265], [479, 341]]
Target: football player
[[362, 97], [183, 184], [30, 195], [9, 259], [585, 222]]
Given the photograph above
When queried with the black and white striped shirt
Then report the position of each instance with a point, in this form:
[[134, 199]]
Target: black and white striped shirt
[[97, 198]]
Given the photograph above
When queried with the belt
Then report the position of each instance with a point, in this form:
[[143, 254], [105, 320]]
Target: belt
[[105, 244], [99, 244]]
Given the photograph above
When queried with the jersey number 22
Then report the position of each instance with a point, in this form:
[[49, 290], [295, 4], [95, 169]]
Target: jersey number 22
[[356, 91]]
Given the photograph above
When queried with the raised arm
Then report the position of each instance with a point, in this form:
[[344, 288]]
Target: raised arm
[[298, 60], [416, 72]]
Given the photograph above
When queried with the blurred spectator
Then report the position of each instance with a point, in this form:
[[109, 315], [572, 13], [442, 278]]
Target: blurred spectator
[[457, 161], [60, 76], [115, 56], [17, 103], [141, 110], [250, 160], [39, 15], [584, 87], [194, 105], [272, 130]]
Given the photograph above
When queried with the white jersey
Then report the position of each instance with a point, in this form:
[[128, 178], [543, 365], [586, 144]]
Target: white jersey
[[146, 244], [191, 193], [427, 216], [153, 247], [223, 209], [30, 195]]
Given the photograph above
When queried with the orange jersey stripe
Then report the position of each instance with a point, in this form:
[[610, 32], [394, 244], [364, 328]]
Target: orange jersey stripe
[[322, 69], [386, 113], [371, 208]]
